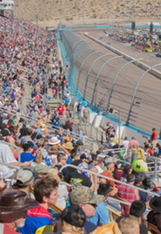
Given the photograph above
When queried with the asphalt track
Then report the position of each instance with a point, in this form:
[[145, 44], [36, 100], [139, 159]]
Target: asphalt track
[[146, 109]]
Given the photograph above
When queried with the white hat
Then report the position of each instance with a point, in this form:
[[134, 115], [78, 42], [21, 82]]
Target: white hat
[[25, 176], [54, 141]]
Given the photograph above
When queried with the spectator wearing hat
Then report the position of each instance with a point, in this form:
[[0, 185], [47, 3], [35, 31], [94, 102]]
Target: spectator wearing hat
[[87, 200], [154, 216], [53, 148], [46, 194], [84, 164], [93, 162], [68, 145], [99, 163], [111, 143], [80, 149], [74, 174], [14, 205], [41, 170], [24, 181]]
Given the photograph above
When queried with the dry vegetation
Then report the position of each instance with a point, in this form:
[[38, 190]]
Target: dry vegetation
[[87, 11]]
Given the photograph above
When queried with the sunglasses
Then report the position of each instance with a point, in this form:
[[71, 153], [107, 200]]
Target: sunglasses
[[94, 205]]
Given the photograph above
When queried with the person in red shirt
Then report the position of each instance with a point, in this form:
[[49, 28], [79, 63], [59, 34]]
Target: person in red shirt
[[60, 109], [154, 137], [150, 150]]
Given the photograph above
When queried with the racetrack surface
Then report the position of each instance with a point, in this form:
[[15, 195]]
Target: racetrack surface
[[145, 112]]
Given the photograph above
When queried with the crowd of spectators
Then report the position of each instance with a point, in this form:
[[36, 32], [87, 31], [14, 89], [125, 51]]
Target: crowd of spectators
[[28, 57]]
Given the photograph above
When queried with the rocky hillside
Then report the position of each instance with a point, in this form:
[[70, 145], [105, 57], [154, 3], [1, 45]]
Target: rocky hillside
[[84, 11]]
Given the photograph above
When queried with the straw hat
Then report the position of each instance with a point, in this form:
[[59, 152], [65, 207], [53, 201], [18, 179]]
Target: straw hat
[[68, 145]]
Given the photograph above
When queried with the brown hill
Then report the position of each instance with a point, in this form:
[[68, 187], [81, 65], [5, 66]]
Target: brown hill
[[50, 12]]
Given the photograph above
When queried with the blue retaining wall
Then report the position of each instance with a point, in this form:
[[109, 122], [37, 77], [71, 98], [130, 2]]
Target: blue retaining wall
[[109, 26]]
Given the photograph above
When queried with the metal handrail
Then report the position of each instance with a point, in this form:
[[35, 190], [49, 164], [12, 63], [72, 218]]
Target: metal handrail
[[117, 200], [26, 117], [96, 175], [89, 124], [75, 135]]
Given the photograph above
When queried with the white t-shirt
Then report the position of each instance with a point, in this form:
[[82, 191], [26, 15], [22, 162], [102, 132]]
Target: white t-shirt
[[125, 143], [6, 156], [63, 194]]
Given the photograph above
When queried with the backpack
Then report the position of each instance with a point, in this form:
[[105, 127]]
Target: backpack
[[111, 228]]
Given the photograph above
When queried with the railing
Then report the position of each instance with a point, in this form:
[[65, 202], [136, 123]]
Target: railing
[[52, 127], [90, 129], [96, 175]]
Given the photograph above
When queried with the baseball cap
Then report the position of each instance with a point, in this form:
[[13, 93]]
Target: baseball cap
[[24, 178], [40, 168], [100, 159], [139, 179], [81, 147], [83, 156], [84, 195]]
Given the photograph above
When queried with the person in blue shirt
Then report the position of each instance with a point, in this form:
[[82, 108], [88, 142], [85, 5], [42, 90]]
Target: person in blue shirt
[[101, 215], [83, 103], [66, 100], [143, 195], [56, 122], [27, 155]]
